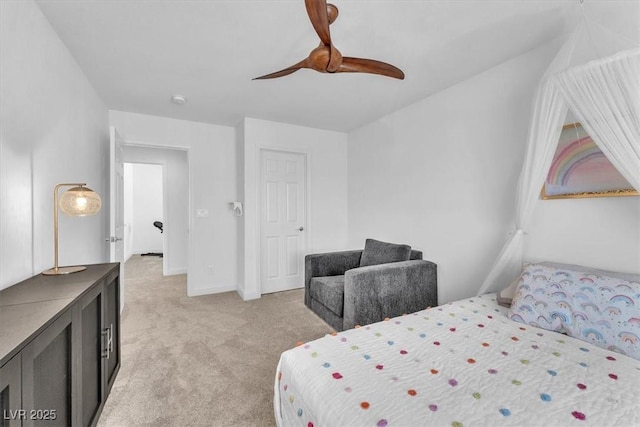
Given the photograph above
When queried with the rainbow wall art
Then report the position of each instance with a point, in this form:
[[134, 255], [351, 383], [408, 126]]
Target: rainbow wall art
[[579, 168]]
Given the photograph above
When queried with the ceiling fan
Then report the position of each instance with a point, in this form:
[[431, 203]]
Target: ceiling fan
[[326, 58]]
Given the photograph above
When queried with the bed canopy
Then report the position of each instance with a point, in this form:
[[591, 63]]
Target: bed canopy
[[596, 76]]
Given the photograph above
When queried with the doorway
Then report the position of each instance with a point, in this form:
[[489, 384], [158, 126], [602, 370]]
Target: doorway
[[163, 197], [143, 210], [283, 220]]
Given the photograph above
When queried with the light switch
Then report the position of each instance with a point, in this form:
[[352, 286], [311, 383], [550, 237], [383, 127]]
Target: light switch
[[202, 213]]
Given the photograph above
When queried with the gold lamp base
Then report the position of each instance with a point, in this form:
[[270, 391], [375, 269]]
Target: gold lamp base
[[63, 270]]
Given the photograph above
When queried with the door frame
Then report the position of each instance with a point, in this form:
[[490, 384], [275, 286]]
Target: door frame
[[307, 200], [116, 144], [143, 144]]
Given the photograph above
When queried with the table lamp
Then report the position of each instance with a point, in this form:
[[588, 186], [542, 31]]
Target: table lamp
[[76, 201]]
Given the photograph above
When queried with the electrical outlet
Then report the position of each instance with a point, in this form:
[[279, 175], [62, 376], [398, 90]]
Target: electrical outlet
[[210, 270]]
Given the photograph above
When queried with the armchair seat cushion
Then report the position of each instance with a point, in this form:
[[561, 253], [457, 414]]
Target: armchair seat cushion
[[329, 290]]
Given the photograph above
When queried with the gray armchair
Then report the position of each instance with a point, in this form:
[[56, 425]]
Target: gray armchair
[[345, 293]]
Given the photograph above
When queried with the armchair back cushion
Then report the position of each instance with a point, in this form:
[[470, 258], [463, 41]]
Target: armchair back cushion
[[377, 252]]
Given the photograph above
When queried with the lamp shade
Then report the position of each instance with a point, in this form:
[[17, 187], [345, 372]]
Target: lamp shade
[[80, 201]]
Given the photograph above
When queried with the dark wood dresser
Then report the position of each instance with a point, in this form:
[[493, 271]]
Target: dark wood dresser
[[59, 347]]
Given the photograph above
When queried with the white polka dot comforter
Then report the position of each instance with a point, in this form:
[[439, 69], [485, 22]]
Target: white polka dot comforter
[[461, 364]]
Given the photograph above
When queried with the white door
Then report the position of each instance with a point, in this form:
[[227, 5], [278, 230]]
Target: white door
[[283, 240], [116, 205]]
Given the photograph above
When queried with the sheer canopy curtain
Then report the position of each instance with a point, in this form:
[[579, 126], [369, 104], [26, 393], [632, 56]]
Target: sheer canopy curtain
[[549, 114], [604, 95]]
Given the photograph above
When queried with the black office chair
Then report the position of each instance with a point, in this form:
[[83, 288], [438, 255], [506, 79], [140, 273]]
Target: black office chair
[[157, 224]]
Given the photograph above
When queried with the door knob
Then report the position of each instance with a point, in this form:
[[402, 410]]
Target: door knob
[[301, 228]]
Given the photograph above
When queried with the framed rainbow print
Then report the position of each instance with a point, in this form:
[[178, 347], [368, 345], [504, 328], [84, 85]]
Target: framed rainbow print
[[580, 169]]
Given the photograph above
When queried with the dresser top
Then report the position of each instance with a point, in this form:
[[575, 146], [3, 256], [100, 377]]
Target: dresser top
[[28, 307]]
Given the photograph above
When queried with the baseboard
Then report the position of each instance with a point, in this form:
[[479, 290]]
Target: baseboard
[[210, 290], [176, 271]]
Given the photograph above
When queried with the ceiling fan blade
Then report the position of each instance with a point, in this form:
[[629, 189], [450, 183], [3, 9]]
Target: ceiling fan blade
[[286, 71], [360, 65], [319, 16]]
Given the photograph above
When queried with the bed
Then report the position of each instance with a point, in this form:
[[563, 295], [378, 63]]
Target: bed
[[461, 364]]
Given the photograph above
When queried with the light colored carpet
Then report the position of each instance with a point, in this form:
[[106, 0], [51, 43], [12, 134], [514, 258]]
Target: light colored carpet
[[200, 361]]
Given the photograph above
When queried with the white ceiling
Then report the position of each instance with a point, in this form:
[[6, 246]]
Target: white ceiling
[[138, 53]]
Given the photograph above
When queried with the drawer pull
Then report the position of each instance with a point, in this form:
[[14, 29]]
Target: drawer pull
[[109, 344]]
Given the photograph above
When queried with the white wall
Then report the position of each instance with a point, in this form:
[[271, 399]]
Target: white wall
[[441, 174], [212, 179], [175, 212], [54, 130], [601, 233], [147, 195], [222, 240], [327, 170]]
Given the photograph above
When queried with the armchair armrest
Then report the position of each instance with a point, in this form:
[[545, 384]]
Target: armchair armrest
[[328, 264], [387, 290]]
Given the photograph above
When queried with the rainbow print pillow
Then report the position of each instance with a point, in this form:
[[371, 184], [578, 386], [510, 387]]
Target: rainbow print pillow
[[595, 308]]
